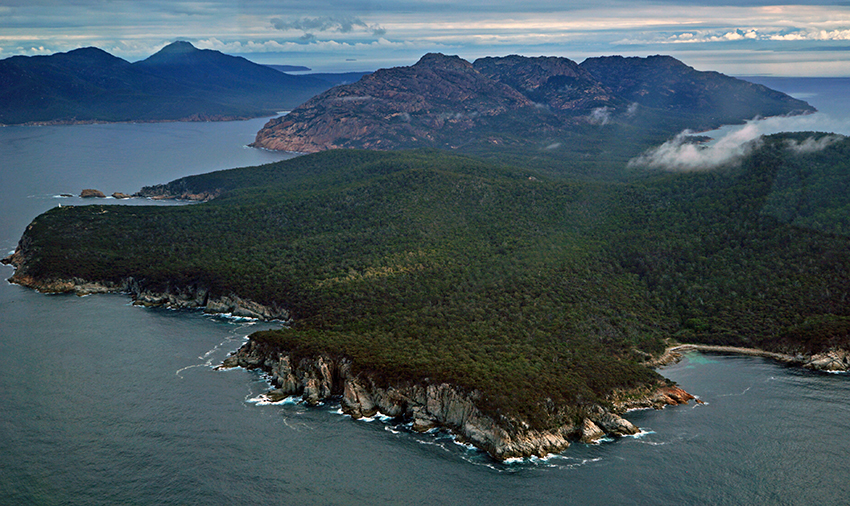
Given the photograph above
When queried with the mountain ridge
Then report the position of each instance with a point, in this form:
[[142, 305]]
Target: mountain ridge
[[447, 102], [179, 82]]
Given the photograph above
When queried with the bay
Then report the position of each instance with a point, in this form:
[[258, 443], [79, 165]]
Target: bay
[[107, 403]]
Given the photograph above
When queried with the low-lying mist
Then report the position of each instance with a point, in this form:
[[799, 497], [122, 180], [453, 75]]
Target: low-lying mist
[[733, 142]]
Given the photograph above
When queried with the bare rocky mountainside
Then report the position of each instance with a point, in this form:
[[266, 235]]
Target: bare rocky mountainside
[[447, 102]]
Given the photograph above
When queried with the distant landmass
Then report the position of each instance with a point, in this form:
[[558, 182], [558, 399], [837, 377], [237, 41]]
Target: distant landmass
[[289, 68], [447, 102], [180, 82]]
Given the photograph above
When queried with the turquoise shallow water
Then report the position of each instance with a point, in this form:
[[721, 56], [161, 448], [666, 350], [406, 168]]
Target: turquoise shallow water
[[106, 403]]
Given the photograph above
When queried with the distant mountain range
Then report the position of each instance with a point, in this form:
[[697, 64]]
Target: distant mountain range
[[447, 102], [180, 82]]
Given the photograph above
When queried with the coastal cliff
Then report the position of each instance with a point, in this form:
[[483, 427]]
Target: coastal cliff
[[431, 405]]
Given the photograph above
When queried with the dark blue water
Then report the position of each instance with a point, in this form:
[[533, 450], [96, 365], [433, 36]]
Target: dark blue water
[[107, 403]]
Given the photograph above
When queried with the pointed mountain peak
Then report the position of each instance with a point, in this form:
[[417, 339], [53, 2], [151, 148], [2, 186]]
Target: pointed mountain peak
[[175, 53], [178, 47]]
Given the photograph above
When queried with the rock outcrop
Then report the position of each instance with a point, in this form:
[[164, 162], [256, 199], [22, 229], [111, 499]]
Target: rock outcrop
[[835, 360], [424, 405], [90, 193]]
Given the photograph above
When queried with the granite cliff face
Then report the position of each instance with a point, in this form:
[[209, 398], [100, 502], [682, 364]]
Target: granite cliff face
[[430, 405], [446, 102]]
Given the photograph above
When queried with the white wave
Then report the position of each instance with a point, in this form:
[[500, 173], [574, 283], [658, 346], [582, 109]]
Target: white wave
[[265, 400], [641, 433]]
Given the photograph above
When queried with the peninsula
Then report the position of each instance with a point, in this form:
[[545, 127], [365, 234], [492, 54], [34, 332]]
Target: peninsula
[[519, 305]]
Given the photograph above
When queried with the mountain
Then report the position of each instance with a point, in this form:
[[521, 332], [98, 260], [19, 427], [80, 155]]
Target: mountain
[[665, 83], [559, 83], [179, 82], [434, 102], [446, 102]]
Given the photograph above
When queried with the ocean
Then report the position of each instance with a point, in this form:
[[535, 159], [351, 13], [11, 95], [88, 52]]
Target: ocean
[[108, 403]]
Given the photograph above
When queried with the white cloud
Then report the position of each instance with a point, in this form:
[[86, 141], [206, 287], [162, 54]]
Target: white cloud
[[600, 116], [680, 154], [811, 144], [544, 27]]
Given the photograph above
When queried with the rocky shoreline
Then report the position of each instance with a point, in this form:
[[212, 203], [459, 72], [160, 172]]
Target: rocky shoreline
[[440, 405], [173, 297], [834, 360]]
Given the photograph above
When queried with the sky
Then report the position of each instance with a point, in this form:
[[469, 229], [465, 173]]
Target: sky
[[736, 37]]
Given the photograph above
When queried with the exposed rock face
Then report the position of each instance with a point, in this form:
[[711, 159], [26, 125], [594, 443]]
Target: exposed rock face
[[655, 398], [431, 103], [425, 405], [558, 83], [90, 194], [119, 195], [446, 102], [590, 432], [832, 361]]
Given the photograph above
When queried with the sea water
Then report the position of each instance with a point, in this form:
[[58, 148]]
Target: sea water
[[102, 402]]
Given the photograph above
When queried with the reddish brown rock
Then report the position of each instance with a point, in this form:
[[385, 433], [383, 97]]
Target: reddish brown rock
[[90, 194]]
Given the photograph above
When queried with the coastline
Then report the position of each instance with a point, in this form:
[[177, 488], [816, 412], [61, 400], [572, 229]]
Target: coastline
[[189, 119], [428, 405], [834, 360]]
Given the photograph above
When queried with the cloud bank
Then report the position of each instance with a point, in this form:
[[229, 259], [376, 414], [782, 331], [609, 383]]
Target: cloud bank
[[682, 154]]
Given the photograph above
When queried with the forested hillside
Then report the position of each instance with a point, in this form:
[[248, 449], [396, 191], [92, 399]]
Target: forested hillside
[[537, 291]]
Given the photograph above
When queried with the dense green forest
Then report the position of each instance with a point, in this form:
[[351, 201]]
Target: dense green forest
[[540, 290]]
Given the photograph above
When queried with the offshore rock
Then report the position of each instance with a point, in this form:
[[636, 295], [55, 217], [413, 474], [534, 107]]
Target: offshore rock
[[90, 194]]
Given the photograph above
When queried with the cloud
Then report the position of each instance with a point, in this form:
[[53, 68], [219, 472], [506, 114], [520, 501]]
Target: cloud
[[309, 45], [782, 34], [812, 34], [811, 144], [332, 24], [600, 116], [682, 154]]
